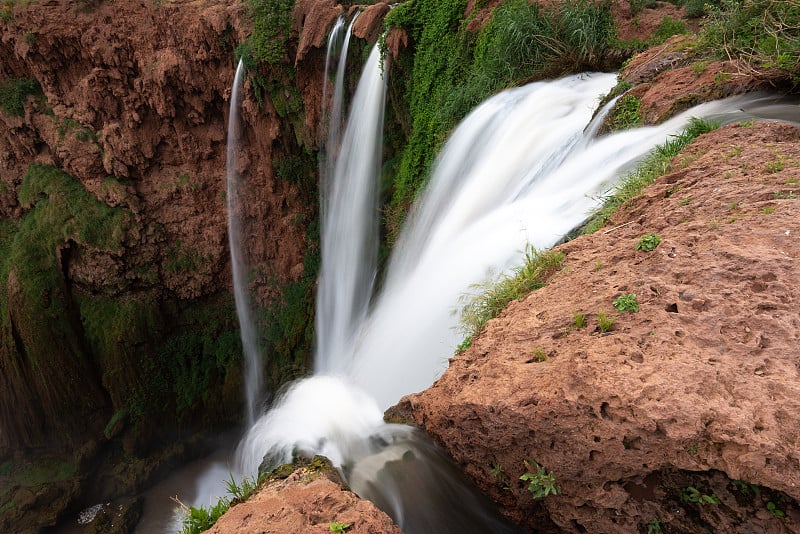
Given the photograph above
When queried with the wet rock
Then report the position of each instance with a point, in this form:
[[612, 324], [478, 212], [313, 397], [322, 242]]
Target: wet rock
[[116, 518]]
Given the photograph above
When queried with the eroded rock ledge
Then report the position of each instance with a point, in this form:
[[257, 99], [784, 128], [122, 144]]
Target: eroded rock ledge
[[310, 499], [699, 389]]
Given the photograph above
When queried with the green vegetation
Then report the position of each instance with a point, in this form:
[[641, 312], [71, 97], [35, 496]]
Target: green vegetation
[[648, 243], [339, 528], [61, 213], [15, 91], [539, 355], [666, 29], [453, 69], [578, 320], [537, 269], [540, 482], [692, 495], [626, 114], [271, 30], [626, 303], [654, 526], [653, 166], [762, 32], [604, 322], [196, 520]]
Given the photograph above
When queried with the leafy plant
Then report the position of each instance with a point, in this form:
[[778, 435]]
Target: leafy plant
[[196, 520], [648, 243], [537, 269], [339, 528], [692, 495], [578, 320], [626, 303], [605, 322], [540, 482], [654, 526], [773, 509]]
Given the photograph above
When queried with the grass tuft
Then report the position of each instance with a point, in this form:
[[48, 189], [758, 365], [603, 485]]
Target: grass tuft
[[537, 269], [654, 165]]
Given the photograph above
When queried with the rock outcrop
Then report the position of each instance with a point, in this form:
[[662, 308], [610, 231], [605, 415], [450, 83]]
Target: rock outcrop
[[310, 499], [685, 414]]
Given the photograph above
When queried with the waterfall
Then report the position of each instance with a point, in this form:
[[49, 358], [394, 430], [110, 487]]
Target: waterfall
[[236, 195], [350, 216], [522, 168]]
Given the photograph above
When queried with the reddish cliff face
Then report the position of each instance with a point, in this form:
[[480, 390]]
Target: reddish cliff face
[[685, 414]]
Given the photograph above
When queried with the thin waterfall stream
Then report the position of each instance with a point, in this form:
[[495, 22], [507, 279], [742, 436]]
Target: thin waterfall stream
[[235, 193]]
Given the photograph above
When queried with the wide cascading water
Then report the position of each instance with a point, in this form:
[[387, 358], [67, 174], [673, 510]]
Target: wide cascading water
[[522, 169], [235, 192], [350, 223]]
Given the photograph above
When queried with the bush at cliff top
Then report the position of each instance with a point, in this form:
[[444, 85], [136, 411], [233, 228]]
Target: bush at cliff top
[[763, 32], [272, 23]]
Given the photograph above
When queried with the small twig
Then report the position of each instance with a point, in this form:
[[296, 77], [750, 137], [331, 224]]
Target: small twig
[[618, 227], [184, 508]]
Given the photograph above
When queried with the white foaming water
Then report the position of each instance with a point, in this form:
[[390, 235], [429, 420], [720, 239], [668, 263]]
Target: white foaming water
[[350, 223], [522, 168], [236, 195]]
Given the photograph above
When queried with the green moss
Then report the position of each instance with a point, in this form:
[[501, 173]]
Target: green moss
[[61, 212], [15, 91], [272, 24]]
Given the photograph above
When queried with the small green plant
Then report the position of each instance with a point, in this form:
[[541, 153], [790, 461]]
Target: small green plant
[[196, 520], [539, 355], [604, 322], [774, 510], [692, 450], [692, 495], [721, 78], [598, 265], [648, 243], [339, 528], [578, 320], [464, 345], [654, 526], [784, 195], [776, 166], [540, 482], [747, 489], [626, 303], [767, 211]]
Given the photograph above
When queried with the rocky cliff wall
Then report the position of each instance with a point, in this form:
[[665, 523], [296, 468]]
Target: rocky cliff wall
[[117, 328]]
